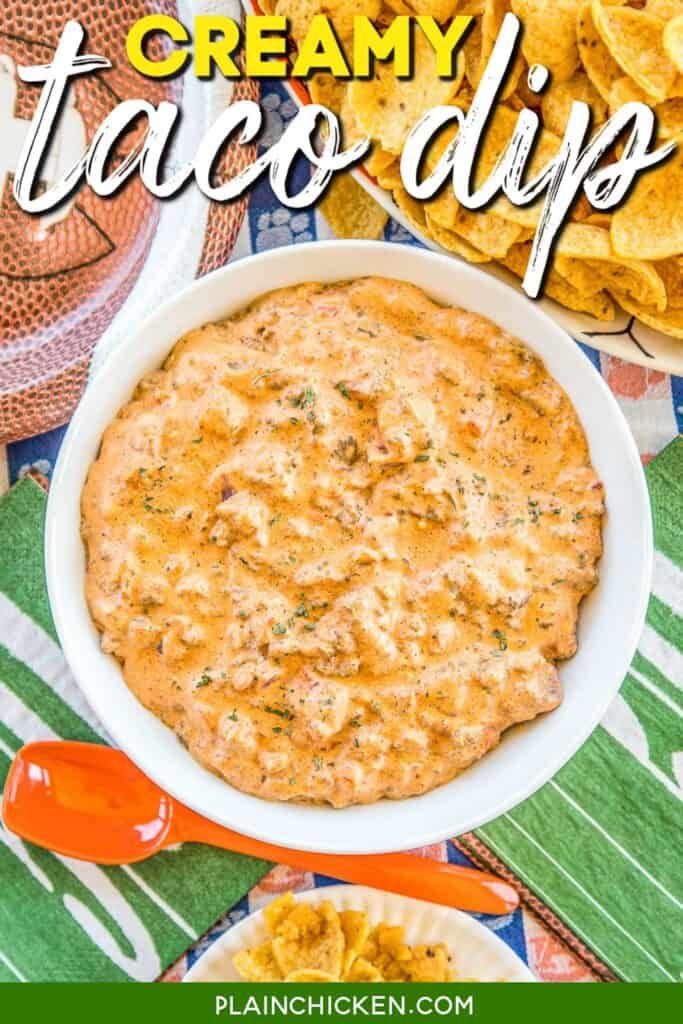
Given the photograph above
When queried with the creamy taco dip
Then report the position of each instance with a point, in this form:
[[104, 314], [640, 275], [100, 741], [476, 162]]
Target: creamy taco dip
[[338, 542]]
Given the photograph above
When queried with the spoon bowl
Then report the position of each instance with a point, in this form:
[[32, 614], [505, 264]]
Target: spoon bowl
[[86, 801]]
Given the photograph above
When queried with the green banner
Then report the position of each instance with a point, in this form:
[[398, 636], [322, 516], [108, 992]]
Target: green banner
[[272, 1002]]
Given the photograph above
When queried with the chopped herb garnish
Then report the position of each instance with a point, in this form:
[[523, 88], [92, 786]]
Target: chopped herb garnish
[[203, 680], [341, 387], [233, 716], [422, 458], [301, 611], [197, 440], [347, 450], [500, 637], [280, 712], [577, 517], [279, 629], [304, 400]]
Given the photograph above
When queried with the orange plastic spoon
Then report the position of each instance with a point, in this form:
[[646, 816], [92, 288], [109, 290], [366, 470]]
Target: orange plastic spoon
[[91, 802]]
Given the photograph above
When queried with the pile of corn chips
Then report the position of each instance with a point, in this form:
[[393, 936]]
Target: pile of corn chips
[[603, 52], [319, 944]]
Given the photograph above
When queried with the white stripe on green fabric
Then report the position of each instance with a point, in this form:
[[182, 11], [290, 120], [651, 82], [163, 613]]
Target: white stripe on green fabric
[[160, 902], [595, 872], [22, 854], [4, 959], [591, 899], [18, 717], [42, 699], [9, 741], [667, 583], [31, 645], [659, 694], [647, 669], [613, 724], [666, 658], [100, 907], [612, 841], [546, 897]]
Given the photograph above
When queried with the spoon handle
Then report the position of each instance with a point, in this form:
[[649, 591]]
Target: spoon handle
[[407, 874]]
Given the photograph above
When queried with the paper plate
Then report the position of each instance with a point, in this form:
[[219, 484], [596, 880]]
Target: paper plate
[[625, 336], [478, 954]]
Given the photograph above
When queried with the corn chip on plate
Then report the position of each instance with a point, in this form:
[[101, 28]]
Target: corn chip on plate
[[352, 933]]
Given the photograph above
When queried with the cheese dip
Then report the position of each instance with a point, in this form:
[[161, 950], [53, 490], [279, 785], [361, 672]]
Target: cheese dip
[[339, 541]]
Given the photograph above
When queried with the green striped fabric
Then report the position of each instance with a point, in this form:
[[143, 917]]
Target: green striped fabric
[[602, 843], [60, 919]]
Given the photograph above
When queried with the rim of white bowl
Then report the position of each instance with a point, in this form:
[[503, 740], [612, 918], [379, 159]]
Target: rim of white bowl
[[342, 831]]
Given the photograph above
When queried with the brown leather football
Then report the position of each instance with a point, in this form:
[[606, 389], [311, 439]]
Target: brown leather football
[[64, 275]]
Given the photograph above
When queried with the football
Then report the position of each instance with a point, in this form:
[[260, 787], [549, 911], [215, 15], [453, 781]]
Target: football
[[65, 274]]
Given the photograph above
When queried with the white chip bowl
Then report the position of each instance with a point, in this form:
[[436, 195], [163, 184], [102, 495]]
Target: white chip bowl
[[611, 618], [477, 954]]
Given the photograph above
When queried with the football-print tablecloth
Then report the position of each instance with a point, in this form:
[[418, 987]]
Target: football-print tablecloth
[[592, 938]]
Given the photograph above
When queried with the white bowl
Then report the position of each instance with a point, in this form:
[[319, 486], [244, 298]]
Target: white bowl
[[611, 618], [478, 954]]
